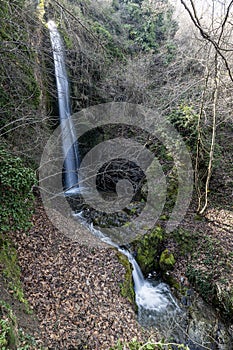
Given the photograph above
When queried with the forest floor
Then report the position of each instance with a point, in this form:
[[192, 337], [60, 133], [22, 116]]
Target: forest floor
[[74, 290]]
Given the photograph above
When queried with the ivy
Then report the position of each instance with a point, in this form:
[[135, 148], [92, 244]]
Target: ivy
[[16, 182], [150, 345], [11, 336]]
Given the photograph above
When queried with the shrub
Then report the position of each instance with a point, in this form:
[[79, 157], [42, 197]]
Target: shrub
[[15, 191]]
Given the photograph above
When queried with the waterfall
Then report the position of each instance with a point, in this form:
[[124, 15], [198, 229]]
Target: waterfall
[[152, 299], [71, 154], [148, 296], [137, 273]]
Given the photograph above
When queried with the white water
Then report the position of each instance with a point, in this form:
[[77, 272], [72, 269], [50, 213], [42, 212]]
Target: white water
[[69, 144], [154, 299]]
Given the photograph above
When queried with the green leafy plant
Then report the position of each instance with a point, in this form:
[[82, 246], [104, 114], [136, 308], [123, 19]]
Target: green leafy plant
[[15, 192], [147, 29], [150, 345], [107, 39], [12, 337], [184, 118]]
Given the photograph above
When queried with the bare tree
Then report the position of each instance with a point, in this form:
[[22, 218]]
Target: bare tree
[[215, 34]]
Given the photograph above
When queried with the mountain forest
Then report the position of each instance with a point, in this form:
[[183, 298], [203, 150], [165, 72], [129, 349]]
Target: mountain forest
[[116, 174]]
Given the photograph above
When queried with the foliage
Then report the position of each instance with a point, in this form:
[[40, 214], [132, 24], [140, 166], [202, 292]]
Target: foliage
[[209, 269], [12, 337], [147, 26], [187, 241], [8, 338], [15, 192], [185, 119], [150, 345], [108, 41], [202, 282]]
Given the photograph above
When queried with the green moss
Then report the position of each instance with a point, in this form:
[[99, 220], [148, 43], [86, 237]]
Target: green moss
[[166, 261], [127, 287], [148, 249], [11, 271]]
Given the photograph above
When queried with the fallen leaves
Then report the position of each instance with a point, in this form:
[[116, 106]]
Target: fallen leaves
[[74, 290]]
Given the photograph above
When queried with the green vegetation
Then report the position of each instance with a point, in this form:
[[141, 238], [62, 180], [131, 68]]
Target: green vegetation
[[150, 345], [12, 337], [15, 192], [148, 248], [16, 207], [209, 270], [185, 119], [10, 270], [146, 28], [187, 241], [127, 288], [108, 41]]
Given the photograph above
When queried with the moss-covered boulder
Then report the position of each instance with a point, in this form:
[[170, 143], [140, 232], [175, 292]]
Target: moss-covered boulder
[[166, 261], [148, 249]]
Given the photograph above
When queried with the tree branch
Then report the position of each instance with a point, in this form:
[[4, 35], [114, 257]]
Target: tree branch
[[206, 36]]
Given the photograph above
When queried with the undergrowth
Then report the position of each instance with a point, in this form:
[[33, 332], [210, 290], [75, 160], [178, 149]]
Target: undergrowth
[[15, 192], [150, 345], [11, 336]]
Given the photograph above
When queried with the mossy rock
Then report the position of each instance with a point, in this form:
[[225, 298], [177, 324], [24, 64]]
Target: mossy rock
[[127, 287], [166, 261], [213, 292], [148, 249]]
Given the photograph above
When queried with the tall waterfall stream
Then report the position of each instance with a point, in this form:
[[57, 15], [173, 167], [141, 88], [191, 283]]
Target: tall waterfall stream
[[156, 305]]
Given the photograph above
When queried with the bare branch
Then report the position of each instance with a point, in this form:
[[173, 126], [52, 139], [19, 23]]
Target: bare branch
[[206, 36]]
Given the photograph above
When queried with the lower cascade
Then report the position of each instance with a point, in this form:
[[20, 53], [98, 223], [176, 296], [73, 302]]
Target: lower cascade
[[155, 297], [155, 302]]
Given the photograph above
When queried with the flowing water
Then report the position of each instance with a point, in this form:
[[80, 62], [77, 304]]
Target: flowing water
[[153, 299], [156, 304], [69, 143]]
